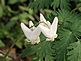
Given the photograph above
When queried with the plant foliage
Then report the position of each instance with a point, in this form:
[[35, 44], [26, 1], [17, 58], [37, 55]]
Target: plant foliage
[[66, 46], [74, 51]]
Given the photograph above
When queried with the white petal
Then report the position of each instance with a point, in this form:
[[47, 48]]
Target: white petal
[[42, 19], [48, 23], [49, 39], [31, 24], [45, 31], [27, 31], [36, 32], [36, 41], [55, 36], [54, 25], [31, 35]]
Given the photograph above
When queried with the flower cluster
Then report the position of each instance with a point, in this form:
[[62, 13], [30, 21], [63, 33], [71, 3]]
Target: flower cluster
[[48, 29]]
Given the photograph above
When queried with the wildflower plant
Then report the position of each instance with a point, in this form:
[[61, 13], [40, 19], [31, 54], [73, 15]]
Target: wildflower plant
[[43, 49]]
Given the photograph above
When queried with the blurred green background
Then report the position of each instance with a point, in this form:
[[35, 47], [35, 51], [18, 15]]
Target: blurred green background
[[13, 12]]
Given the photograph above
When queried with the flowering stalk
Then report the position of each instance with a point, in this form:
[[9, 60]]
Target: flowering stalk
[[32, 34], [49, 30]]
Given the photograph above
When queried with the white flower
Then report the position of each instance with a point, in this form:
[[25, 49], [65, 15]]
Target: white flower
[[42, 19], [31, 34], [49, 30], [31, 24]]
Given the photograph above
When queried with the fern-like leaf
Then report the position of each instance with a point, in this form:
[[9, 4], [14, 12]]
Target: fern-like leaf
[[74, 53], [43, 51], [63, 4], [36, 4], [69, 28], [66, 37]]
